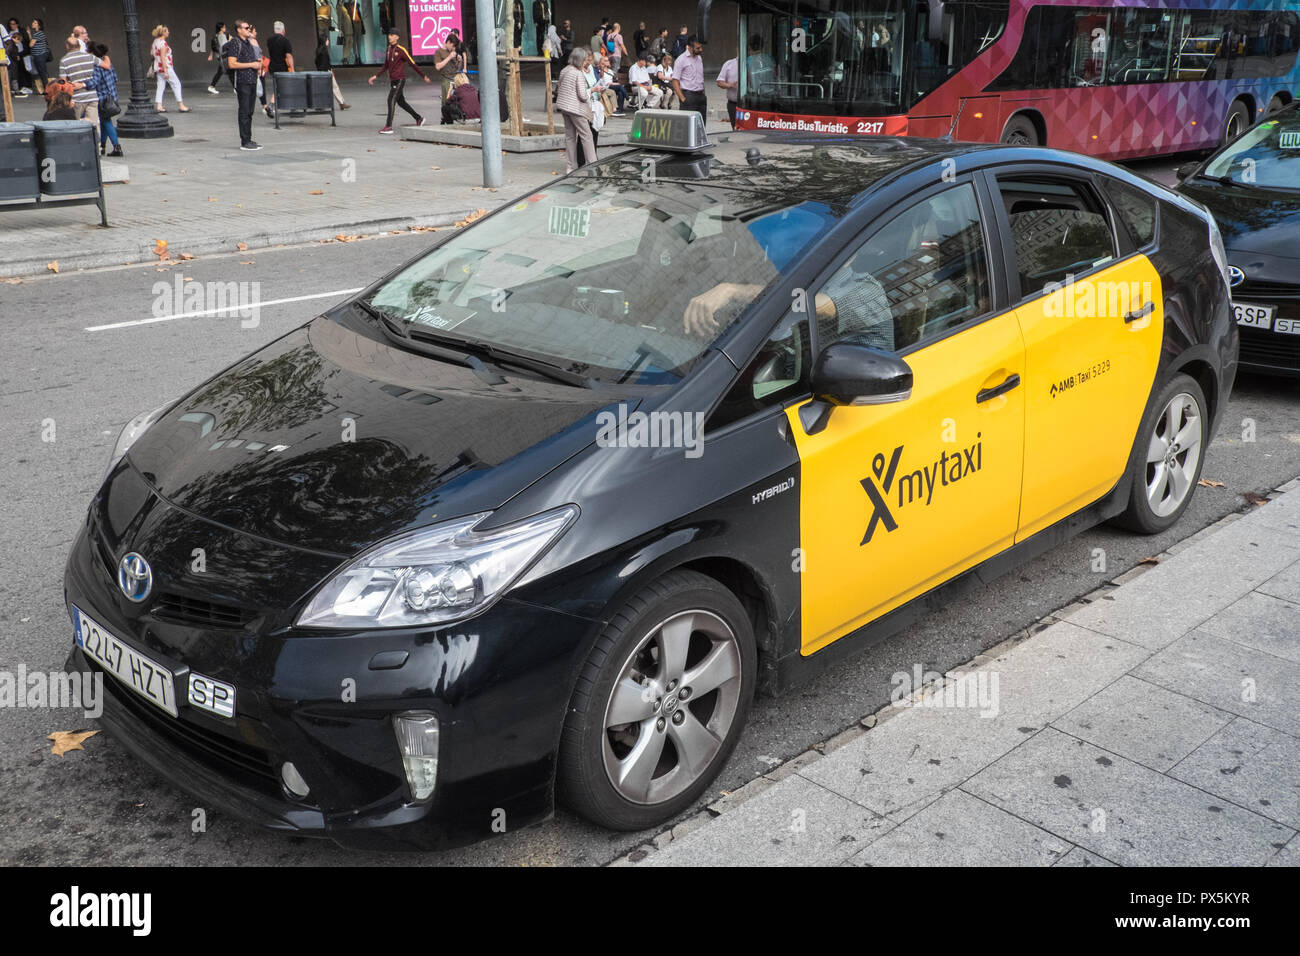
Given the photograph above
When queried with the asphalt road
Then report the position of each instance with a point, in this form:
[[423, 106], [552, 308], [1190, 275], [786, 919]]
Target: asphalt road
[[64, 394]]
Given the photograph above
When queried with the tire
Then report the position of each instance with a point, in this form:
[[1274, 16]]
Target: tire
[[1236, 122], [1163, 487], [638, 773], [1021, 131], [1276, 104]]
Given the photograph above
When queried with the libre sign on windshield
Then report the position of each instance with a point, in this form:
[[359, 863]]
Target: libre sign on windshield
[[571, 221]]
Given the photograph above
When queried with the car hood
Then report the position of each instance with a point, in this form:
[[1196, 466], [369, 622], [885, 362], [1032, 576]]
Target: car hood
[[332, 439], [1252, 220]]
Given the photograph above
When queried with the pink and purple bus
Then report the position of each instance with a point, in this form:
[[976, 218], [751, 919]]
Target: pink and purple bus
[[1116, 80]]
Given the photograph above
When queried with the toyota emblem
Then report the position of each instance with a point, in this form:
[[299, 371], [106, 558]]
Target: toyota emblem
[[134, 577], [1235, 276]]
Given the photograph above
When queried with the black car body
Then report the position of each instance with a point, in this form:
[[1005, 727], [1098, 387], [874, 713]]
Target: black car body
[[1252, 186], [256, 470]]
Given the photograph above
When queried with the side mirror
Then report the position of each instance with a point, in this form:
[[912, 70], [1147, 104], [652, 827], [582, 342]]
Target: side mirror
[[848, 373], [1186, 170]]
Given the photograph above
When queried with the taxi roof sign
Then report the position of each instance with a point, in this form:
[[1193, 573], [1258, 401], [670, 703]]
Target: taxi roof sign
[[678, 131]]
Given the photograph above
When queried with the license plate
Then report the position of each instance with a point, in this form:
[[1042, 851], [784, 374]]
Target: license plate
[[1256, 316], [1287, 326], [142, 674], [212, 695]]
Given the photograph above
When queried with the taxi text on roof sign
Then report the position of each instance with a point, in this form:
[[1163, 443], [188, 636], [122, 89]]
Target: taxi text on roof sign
[[674, 130]]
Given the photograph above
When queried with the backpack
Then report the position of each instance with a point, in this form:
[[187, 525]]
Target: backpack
[[55, 86]]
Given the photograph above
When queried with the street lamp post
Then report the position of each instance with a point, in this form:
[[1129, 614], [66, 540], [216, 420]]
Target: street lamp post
[[141, 120]]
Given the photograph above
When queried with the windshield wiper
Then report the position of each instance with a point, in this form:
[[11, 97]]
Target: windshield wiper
[[501, 356]]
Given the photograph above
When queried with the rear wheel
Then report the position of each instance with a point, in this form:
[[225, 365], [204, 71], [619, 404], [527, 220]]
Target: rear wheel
[[1167, 457], [659, 705], [1275, 104], [1236, 122], [1020, 131]]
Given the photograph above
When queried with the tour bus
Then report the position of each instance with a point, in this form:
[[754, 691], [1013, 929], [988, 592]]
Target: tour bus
[[1111, 79]]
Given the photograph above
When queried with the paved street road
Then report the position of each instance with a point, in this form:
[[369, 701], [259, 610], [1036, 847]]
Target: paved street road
[[100, 806]]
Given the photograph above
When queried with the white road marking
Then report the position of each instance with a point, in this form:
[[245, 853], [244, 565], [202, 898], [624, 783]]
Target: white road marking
[[232, 308]]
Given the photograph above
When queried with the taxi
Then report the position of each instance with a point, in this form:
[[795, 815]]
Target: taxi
[[535, 515]]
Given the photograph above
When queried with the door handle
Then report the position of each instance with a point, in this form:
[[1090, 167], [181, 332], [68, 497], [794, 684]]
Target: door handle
[[984, 394], [1141, 313]]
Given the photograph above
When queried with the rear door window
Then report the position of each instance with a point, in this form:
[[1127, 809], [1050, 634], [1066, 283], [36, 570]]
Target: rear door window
[[1059, 230]]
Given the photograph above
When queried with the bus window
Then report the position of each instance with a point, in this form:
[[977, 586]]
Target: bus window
[[1140, 46], [967, 30]]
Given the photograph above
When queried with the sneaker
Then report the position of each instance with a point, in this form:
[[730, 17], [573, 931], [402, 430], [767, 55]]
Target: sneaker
[[117, 151], [270, 113], [250, 146], [420, 121], [387, 131], [618, 113], [213, 90]]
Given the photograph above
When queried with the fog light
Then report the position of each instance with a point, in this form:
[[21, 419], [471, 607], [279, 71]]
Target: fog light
[[417, 738], [293, 781]]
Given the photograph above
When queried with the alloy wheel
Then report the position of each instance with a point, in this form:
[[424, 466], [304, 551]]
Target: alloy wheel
[[1173, 454], [672, 707]]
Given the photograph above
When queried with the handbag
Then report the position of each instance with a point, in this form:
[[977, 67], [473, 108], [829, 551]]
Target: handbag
[[597, 114], [108, 107]]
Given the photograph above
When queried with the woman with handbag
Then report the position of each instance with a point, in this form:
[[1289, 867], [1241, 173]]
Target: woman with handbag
[[573, 100], [106, 83]]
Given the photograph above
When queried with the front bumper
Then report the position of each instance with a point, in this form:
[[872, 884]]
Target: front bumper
[[499, 684]]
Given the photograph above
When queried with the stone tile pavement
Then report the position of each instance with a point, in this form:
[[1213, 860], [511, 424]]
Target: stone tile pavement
[[1158, 724]]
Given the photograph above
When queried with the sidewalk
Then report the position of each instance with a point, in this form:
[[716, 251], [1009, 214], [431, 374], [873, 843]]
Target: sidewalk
[[201, 194], [1156, 724]]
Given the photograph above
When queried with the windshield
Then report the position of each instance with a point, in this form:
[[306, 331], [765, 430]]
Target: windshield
[[605, 278], [1267, 156]]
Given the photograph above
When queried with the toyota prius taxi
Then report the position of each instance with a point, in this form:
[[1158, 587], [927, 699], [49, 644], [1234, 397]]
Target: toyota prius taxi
[[533, 517]]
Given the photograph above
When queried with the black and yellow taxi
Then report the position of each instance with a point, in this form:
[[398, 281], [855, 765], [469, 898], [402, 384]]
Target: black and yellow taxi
[[536, 514]]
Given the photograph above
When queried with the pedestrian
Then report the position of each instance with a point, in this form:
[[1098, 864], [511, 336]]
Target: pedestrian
[[448, 62], [78, 68], [640, 40], [681, 42], [596, 97], [106, 84], [219, 40], [688, 78], [280, 53], [41, 55], [264, 62], [323, 65], [83, 38], [572, 99], [616, 46], [463, 102], [518, 14], [165, 70], [541, 20], [60, 107], [396, 60], [598, 39], [729, 80], [19, 46], [566, 39], [659, 46], [244, 61]]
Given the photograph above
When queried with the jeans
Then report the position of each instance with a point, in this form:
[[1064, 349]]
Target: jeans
[[246, 96], [107, 131]]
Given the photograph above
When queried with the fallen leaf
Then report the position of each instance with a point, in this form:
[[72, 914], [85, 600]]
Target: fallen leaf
[[316, 192], [1151, 560], [187, 256], [1210, 483], [160, 249], [1253, 498], [162, 174], [241, 246], [246, 262], [65, 740], [14, 281], [342, 238], [435, 167], [212, 199], [53, 266]]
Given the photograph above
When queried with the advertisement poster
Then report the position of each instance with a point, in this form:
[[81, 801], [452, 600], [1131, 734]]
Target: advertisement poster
[[431, 21]]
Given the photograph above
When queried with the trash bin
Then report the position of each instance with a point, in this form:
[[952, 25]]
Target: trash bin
[[290, 91], [19, 172], [67, 154], [320, 90]]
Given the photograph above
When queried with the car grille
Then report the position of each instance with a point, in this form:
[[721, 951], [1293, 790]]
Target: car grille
[[1266, 348], [1251, 289], [224, 753], [178, 607]]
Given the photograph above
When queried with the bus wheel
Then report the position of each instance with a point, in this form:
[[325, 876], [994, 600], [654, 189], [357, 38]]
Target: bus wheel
[[1236, 123], [1275, 104], [1021, 131]]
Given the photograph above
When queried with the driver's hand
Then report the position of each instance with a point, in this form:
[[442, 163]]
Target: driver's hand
[[701, 312]]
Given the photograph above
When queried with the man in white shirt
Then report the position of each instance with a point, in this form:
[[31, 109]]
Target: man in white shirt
[[729, 80], [642, 89]]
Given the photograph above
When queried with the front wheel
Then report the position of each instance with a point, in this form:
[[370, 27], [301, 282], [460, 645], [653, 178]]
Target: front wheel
[[1020, 131], [1167, 457], [659, 705]]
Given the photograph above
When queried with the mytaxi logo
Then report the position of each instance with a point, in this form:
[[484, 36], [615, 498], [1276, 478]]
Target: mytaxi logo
[[917, 486]]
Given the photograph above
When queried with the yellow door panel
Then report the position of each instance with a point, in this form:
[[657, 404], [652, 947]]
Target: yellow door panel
[[1088, 375], [895, 499]]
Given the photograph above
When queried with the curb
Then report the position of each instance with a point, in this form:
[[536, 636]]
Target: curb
[[729, 800], [140, 252]]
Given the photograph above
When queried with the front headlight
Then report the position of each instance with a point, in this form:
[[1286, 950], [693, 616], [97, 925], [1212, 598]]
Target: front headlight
[[434, 575], [131, 433]]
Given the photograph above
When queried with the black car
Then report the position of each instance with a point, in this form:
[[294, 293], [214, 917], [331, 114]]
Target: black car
[[1252, 185], [539, 511]]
